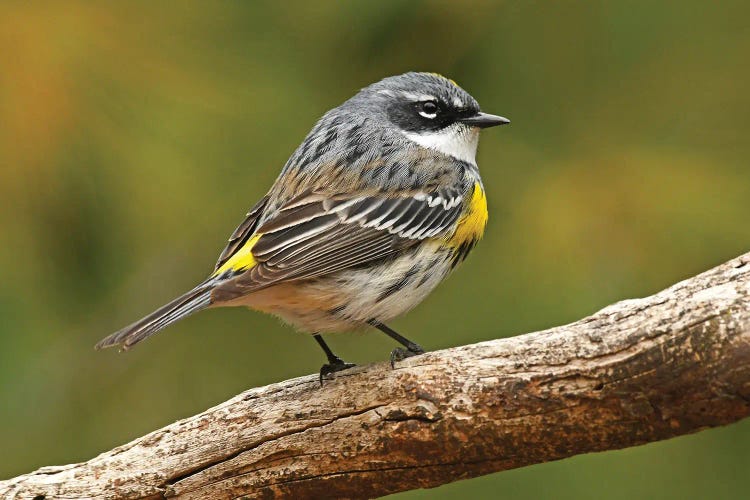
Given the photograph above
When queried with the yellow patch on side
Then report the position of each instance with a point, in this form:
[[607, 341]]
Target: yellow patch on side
[[471, 225], [242, 259]]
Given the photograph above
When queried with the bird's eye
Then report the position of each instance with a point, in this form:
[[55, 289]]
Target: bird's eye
[[428, 109]]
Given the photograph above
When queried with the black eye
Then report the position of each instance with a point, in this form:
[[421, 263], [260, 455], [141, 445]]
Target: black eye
[[428, 109]]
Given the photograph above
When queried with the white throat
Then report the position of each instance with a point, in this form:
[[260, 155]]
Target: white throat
[[457, 140]]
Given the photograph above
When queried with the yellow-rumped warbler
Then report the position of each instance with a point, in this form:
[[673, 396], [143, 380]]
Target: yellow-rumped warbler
[[377, 205]]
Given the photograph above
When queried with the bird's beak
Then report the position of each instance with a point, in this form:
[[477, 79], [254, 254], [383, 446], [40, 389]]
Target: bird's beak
[[484, 120]]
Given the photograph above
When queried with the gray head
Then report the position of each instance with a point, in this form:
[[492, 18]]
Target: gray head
[[427, 109], [382, 120]]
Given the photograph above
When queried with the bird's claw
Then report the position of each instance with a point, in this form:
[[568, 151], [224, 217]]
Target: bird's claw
[[400, 354], [331, 368]]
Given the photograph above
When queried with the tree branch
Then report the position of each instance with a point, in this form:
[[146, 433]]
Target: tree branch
[[637, 371]]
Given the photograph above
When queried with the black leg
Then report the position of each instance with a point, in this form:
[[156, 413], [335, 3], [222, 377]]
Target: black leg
[[398, 354], [335, 364]]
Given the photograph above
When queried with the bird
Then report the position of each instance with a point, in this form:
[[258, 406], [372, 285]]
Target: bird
[[378, 204]]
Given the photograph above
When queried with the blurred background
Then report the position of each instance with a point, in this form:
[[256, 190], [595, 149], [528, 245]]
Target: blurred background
[[134, 136]]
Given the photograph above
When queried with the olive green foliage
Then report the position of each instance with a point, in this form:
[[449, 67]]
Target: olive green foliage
[[134, 136]]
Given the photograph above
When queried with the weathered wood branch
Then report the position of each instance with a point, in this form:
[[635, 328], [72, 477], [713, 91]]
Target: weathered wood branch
[[638, 371]]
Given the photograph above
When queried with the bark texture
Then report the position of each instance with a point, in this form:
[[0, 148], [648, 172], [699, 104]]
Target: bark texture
[[637, 371]]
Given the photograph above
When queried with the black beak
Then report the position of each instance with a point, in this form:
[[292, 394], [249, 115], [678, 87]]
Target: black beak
[[484, 120]]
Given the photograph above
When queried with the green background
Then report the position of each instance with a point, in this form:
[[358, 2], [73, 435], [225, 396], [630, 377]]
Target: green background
[[133, 137]]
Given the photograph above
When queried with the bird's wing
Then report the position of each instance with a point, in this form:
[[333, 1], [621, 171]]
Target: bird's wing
[[242, 233], [316, 234]]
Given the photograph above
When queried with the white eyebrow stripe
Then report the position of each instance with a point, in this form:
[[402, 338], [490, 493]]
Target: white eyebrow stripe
[[418, 97], [457, 102]]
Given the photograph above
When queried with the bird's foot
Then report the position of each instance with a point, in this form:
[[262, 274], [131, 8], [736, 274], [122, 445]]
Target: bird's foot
[[336, 365], [400, 354]]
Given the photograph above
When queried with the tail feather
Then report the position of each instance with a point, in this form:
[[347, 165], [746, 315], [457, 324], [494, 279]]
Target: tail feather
[[193, 301]]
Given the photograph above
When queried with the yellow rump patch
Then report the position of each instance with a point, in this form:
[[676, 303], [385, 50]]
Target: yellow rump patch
[[472, 223], [242, 259]]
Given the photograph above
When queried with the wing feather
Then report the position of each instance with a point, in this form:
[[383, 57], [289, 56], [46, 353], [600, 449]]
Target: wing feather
[[316, 235], [243, 232]]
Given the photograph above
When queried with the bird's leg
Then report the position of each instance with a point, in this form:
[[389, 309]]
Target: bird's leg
[[335, 364], [398, 354]]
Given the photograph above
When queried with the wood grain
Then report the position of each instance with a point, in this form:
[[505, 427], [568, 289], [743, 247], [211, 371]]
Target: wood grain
[[637, 371]]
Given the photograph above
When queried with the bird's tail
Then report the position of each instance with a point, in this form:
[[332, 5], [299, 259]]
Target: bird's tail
[[193, 301]]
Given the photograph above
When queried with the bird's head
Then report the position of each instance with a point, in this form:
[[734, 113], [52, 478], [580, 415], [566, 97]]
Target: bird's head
[[429, 110]]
